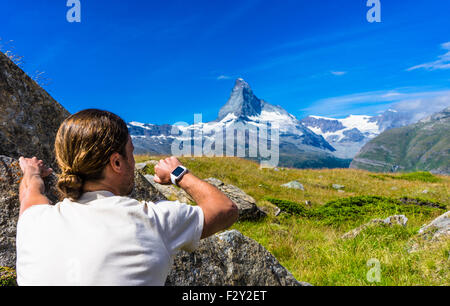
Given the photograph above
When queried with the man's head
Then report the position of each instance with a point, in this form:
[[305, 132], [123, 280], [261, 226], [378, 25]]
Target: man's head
[[93, 147]]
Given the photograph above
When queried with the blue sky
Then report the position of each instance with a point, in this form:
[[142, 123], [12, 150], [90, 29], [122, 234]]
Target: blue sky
[[163, 61]]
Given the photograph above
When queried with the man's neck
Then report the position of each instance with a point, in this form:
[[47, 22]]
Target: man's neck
[[96, 186]]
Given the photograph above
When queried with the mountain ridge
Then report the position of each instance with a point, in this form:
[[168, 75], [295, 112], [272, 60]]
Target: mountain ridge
[[424, 146]]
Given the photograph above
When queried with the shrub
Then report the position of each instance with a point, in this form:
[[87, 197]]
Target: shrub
[[288, 206], [7, 277], [359, 208]]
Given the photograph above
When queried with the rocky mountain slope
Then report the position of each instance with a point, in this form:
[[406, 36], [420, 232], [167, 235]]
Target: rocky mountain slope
[[346, 135], [244, 111], [421, 146]]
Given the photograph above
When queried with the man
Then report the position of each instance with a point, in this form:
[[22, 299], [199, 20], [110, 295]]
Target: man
[[97, 235]]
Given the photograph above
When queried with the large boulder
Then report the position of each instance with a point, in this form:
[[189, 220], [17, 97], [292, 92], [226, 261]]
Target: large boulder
[[169, 191], [29, 116], [229, 259], [144, 191], [438, 229], [10, 176], [245, 203]]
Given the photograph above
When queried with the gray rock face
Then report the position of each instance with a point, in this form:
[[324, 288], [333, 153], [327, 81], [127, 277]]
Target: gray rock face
[[337, 186], [245, 203], [389, 221], [437, 229], [229, 259], [29, 116], [170, 191], [294, 185], [10, 176]]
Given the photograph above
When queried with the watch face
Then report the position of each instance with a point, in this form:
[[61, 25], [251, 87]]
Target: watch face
[[178, 170]]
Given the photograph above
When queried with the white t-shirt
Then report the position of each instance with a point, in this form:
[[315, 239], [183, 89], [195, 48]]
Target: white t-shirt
[[103, 239]]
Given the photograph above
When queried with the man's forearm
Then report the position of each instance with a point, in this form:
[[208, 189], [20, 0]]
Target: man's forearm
[[223, 211], [31, 191]]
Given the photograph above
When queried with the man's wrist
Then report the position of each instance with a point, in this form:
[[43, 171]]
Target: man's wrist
[[184, 180], [33, 180]]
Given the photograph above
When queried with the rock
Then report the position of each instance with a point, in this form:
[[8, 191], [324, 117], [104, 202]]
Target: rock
[[10, 177], [140, 166], [143, 165], [144, 191], [245, 203], [389, 221], [437, 229], [170, 191], [294, 185], [338, 187], [30, 117], [229, 259]]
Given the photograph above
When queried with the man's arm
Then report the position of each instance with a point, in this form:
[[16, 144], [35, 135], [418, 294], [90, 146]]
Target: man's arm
[[32, 187], [219, 211]]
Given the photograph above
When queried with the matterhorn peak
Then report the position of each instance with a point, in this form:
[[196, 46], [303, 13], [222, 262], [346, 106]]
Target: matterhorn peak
[[242, 102]]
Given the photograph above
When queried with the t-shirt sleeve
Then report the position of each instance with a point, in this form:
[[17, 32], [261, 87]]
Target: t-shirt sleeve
[[181, 225]]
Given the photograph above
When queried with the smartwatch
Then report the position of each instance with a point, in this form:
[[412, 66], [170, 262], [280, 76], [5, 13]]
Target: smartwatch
[[177, 174]]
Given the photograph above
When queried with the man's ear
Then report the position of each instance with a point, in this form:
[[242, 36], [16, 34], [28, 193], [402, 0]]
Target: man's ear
[[115, 162]]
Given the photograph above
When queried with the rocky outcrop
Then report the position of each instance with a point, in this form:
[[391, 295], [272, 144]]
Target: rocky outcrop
[[29, 116], [437, 229], [10, 176], [169, 191], [229, 259], [389, 221], [245, 203], [294, 185], [144, 191]]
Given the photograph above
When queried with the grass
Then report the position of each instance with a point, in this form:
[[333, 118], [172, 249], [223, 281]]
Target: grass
[[413, 176], [306, 239]]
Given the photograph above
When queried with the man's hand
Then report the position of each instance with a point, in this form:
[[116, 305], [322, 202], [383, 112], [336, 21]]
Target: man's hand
[[164, 168], [32, 188], [34, 166]]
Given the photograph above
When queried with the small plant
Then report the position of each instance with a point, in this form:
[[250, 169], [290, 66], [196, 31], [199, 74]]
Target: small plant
[[288, 206], [7, 277]]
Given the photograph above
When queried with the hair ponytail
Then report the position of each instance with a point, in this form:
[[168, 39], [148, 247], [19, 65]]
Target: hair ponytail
[[84, 144]]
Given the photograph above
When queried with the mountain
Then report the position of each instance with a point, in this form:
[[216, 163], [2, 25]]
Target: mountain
[[350, 134], [257, 120], [346, 135], [424, 145]]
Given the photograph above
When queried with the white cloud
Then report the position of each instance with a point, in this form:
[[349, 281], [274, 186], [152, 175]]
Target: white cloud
[[373, 102], [338, 73], [223, 77], [442, 63]]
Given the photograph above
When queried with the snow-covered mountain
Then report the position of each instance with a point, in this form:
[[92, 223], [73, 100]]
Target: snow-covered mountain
[[244, 111], [346, 135], [350, 134]]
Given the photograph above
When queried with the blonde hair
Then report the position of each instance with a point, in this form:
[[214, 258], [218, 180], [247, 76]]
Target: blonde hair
[[83, 146]]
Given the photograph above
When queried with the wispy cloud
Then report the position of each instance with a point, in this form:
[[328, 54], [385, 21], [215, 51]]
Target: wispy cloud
[[338, 73], [223, 77], [368, 103], [442, 63]]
